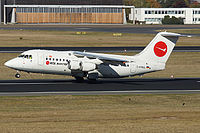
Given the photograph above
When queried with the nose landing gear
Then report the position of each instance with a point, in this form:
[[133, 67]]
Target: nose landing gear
[[17, 75]]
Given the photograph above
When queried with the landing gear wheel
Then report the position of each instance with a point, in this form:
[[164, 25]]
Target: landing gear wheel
[[79, 79], [92, 79], [17, 75]]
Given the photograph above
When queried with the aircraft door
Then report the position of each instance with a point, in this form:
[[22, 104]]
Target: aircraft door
[[40, 59], [132, 67]]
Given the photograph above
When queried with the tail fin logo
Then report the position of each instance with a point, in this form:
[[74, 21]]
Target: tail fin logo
[[160, 49]]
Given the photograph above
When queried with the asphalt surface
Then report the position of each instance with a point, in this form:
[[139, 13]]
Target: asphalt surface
[[148, 29], [95, 49], [100, 87]]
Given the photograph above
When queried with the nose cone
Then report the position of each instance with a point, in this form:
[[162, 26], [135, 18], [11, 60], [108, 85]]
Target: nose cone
[[9, 63]]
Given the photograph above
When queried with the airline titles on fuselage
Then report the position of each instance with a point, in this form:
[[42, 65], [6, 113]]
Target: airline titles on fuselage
[[53, 61]]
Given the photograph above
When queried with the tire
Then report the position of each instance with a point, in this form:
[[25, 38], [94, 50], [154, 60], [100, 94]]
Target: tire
[[79, 79], [17, 75]]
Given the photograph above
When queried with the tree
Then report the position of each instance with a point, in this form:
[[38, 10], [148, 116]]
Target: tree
[[152, 4], [179, 4], [172, 20], [195, 4], [142, 3], [174, 3], [136, 3]]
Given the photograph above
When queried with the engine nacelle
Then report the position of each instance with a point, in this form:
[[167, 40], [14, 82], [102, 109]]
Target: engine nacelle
[[74, 65], [87, 66]]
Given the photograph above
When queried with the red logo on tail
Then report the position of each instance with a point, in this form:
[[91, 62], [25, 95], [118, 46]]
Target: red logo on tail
[[160, 49]]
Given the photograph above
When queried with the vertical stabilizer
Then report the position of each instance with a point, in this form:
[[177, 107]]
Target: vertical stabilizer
[[160, 48]]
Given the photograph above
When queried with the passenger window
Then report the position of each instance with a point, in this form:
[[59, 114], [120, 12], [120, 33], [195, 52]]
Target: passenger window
[[56, 59], [60, 59], [49, 58], [30, 56], [26, 56], [46, 58], [63, 59], [53, 59]]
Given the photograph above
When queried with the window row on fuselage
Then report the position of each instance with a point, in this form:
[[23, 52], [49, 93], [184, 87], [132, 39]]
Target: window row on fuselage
[[56, 59], [25, 56]]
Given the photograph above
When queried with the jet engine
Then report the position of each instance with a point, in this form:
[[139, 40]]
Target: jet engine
[[74, 65], [87, 66], [83, 66]]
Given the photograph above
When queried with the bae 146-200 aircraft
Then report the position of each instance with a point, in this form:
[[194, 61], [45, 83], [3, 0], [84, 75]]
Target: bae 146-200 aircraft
[[96, 65]]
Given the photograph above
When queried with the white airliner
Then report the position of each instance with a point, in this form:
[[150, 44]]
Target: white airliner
[[96, 65]]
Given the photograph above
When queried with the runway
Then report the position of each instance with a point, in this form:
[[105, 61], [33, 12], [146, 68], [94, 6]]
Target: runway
[[147, 29], [95, 49], [100, 87]]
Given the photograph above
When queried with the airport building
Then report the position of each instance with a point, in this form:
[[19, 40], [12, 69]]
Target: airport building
[[155, 15], [65, 12]]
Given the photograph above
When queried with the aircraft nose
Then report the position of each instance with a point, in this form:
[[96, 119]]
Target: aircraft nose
[[9, 63]]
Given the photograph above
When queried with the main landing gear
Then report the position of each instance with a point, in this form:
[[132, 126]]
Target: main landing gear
[[79, 79], [17, 75]]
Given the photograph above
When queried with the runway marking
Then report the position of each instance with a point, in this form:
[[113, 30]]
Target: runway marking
[[83, 28], [11, 51], [136, 91], [29, 83], [198, 81], [103, 92]]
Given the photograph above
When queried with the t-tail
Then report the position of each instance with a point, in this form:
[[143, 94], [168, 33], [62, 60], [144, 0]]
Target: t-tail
[[160, 48]]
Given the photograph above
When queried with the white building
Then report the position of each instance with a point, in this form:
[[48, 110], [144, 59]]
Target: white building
[[155, 15]]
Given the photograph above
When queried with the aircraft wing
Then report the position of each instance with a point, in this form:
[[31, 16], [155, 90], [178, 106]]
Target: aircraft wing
[[103, 58]]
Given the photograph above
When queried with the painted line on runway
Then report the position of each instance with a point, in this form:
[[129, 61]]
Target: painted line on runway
[[105, 92], [136, 91], [83, 28], [29, 83], [127, 50], [11, 51]]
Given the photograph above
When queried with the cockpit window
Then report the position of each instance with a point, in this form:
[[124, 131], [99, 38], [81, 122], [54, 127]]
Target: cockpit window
[[30, 56], [21, 56], [25, 56]]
